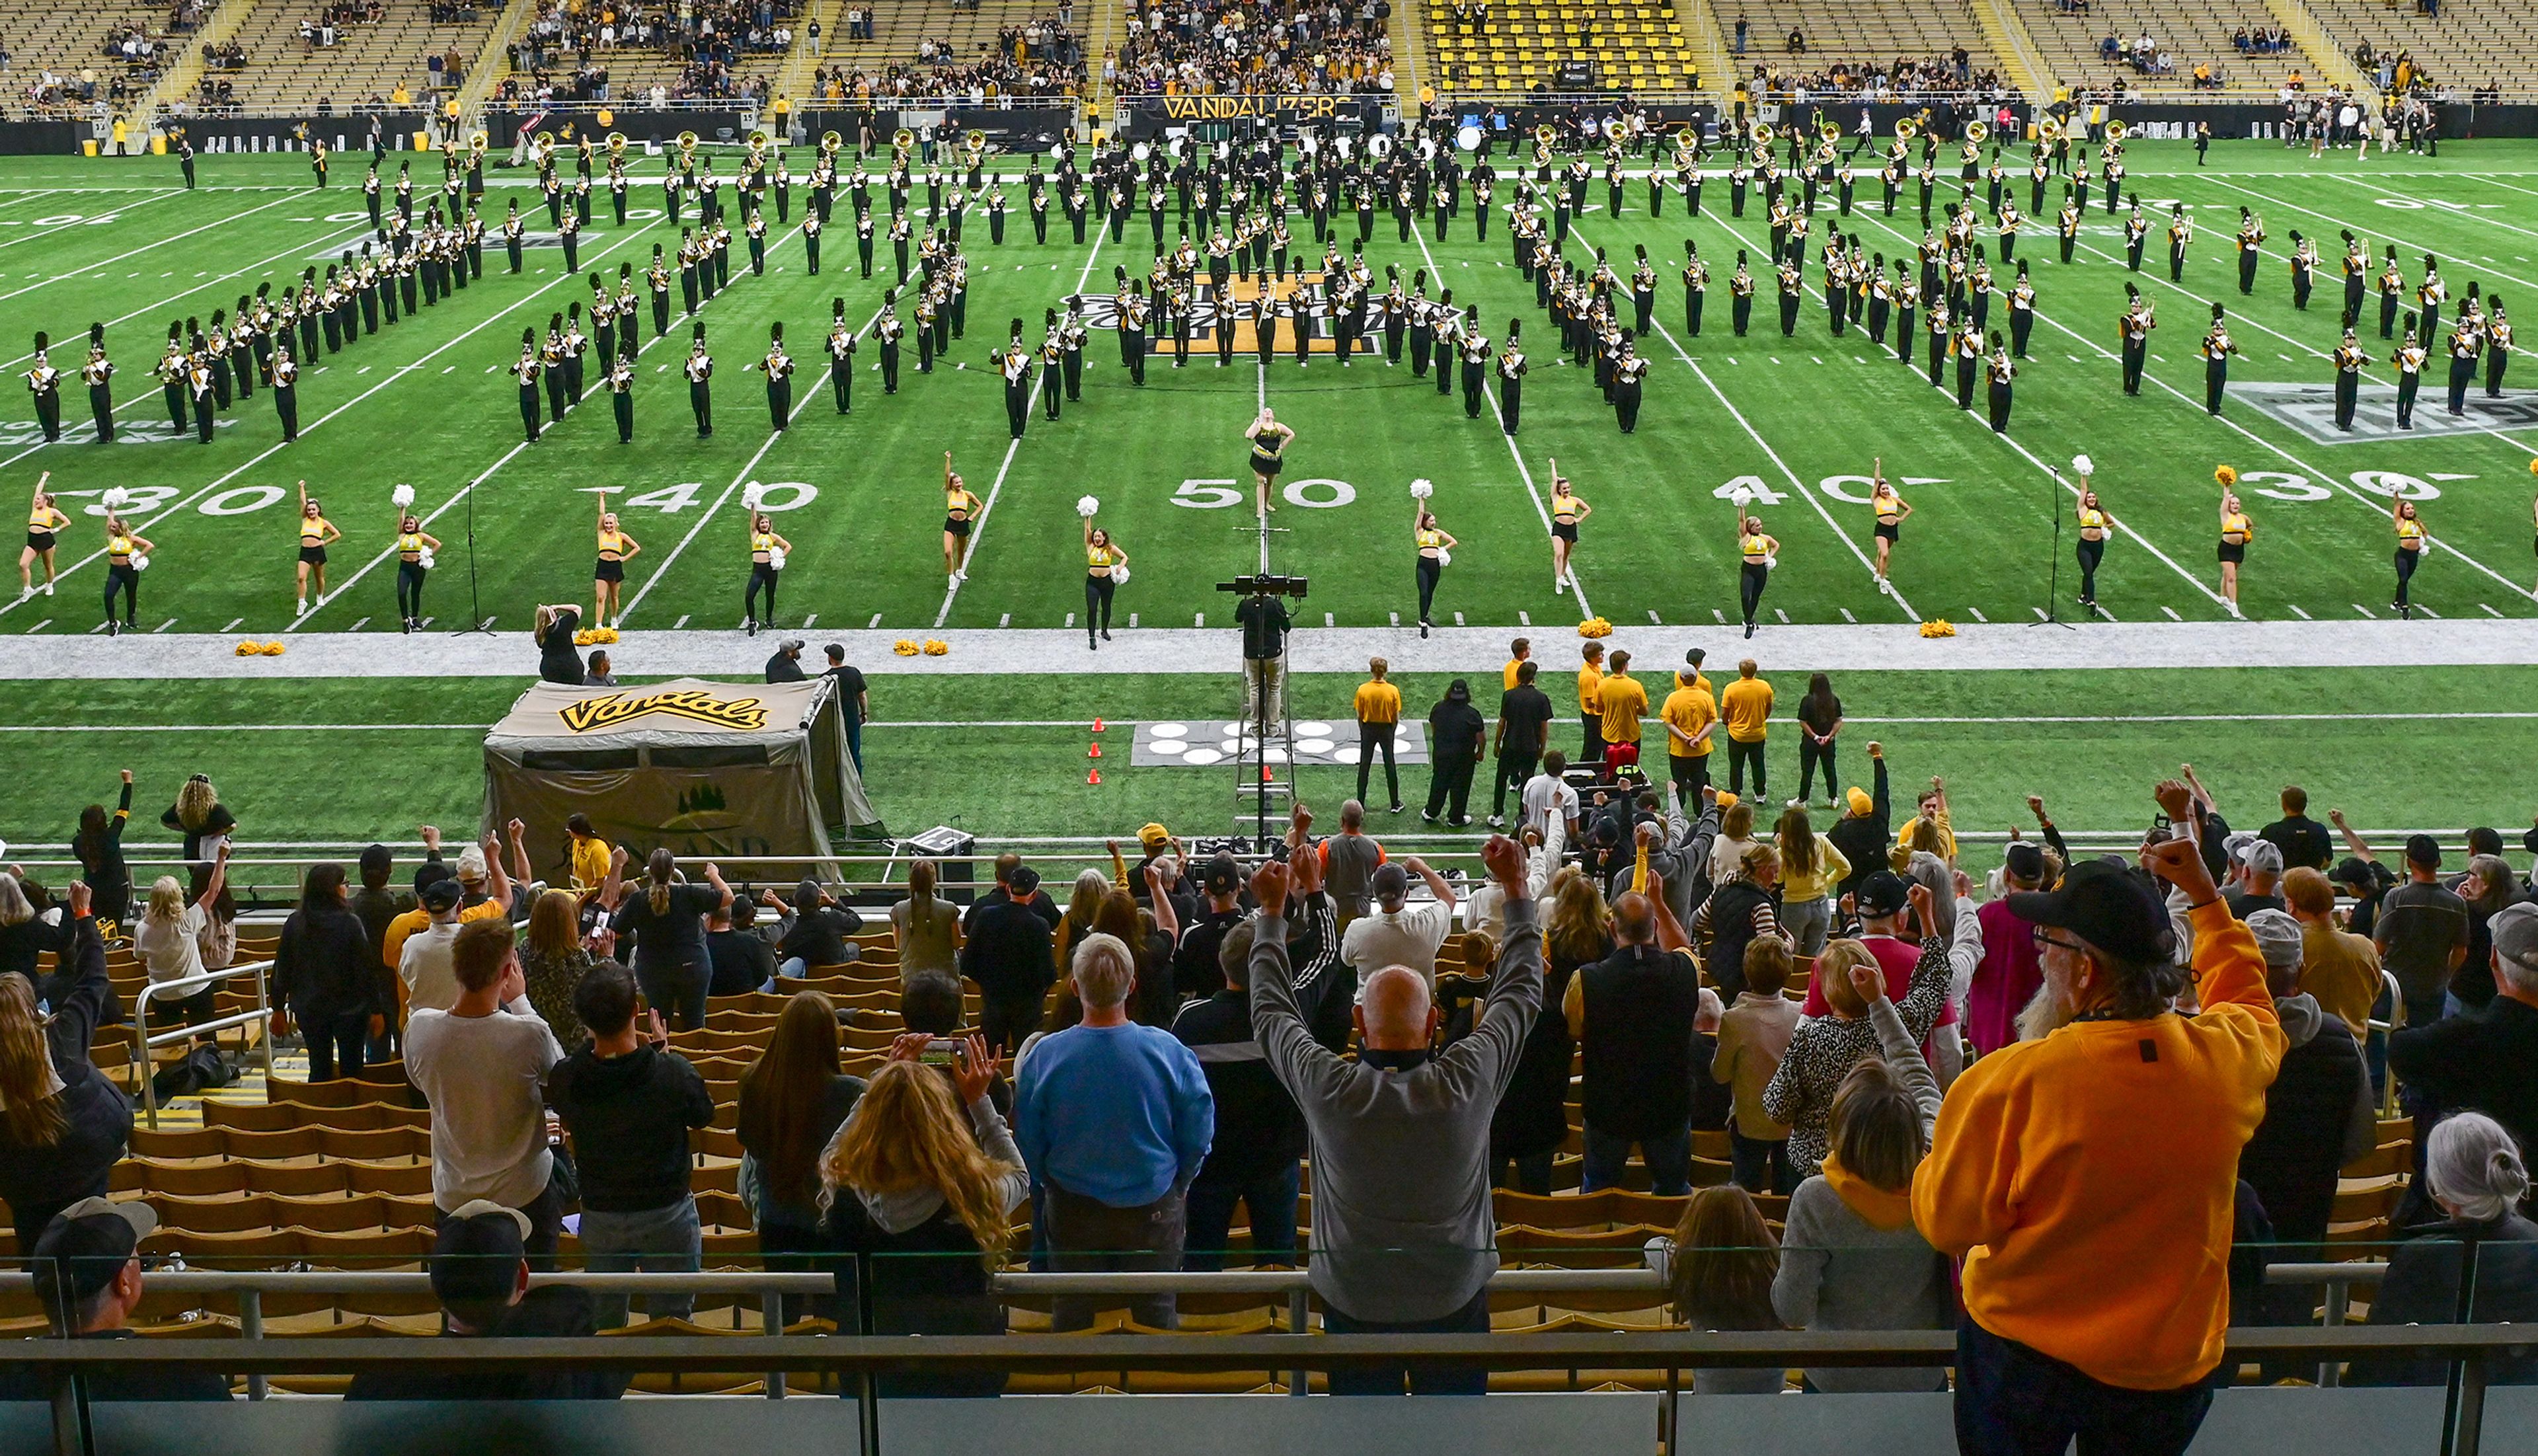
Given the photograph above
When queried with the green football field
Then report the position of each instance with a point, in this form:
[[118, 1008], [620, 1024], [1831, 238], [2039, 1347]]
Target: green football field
[[1792, 423]]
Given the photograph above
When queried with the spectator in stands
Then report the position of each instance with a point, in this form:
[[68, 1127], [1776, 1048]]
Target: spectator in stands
[[1114, 1119], [2255, 878], [1403, 1237], [1349, 861], [1197, 969], [425, 963], [628, 1102], [741, 960], [479, 1065], [2480, 1061], [26, 933], [1850, 1258], [1149, 939], [87, 1282], [1399, 933], [2053, 1346], [1810, 867], [1864, 833], [1547, 803], [1737, 912], [2303, 841], [2421, 932], [792, 1100], [378, 907], [928, 928], [2318, 1114], [1632, 1015], [199, 815], [480, 1272], [553, 962], [327, 978], [1002, 891], [1008, 954], [168, 940], [98, 849], [602, 672], [2338, 968], [2480, 1179], [667, 920], [1892, 927], [813, 930], [2486, 888], [1253, 1156], [1719, 1268], [1753, 1037], [1824, 1048], [925, 1177], [1532, 1119], [63, 1125], [2007, 976]]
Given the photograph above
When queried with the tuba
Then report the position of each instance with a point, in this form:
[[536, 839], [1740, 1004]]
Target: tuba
[[1543, 137], [758, 146], [2116, 131], [978, 141], [477, 143], [616, 145], [1906, 129], [687, 148], [1762, 134], [1976, 131], [1828, 128], [2050, 130], [544, 142], [829, 142], [902, 140], [1614, 130]]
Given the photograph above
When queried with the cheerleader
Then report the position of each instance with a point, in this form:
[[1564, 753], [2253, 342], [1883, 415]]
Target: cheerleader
[[1567, 511], [2411, 539], [1759, 554], [415, 549], [528, 370], [44, 521], [126, 552], [2095, 523], [1435, 547], [960, 516], [2236, 532], [766, 553], [1890, 510], [608, 577], [1269, 441], [1105, 566], [317, 533]]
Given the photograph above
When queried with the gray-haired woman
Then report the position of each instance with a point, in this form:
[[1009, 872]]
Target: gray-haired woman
[[2478, 1177]]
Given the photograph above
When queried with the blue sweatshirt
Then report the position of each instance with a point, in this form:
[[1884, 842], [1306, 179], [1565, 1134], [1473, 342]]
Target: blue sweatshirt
[[1117, 1114]]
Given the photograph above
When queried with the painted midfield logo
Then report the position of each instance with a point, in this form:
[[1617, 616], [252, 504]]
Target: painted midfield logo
[[2310, 410]]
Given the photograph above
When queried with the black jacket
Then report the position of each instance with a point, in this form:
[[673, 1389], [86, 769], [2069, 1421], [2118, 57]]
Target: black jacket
[[2293, 1159], [819, 937], [1863, 839], [325, 967], [553, 1312], [1009, 953], [1259, 1131], [629, 1117], [18, 1383], [2477, 1062], [2425, 1286], [100, 1116]]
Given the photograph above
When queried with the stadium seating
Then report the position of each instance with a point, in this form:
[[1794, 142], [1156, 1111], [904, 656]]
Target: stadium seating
[[1522, 43], [367, 64], [2189, 32], [67, 41], [2469, 44], [1857, 31]]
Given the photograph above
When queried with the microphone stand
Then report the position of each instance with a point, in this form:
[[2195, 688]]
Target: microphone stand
[[2054, 572], [478, 623]]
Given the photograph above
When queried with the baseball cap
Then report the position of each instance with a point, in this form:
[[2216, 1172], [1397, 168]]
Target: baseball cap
[[1882, 894], [1155, 836], [836, 651], [473, 1253], [2354, 871], [2515, 934], [2261, 858], [1860, 802], [1022, 883], [439, 895], [2425, 850], [84, 1249], [1221, 876], [2278, 936], [2106, 904], [1726, 800], [2025, 861]]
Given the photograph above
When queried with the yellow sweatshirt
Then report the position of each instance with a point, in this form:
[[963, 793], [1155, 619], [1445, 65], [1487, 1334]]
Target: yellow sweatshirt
[[2088, 1180]]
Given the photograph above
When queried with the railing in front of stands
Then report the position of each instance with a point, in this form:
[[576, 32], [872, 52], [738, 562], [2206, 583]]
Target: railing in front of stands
[[145, 1042]]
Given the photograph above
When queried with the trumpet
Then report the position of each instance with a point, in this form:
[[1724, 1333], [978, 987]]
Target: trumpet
[[1976, 131]]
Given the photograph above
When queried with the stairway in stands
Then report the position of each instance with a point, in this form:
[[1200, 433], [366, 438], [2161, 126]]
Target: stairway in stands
[[179, 81]]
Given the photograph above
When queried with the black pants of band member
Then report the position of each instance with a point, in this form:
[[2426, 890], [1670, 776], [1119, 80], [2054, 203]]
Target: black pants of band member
[[409, 589], [1750, 587], [1450, 785], [1510, 772], [761, 576], [1812, 755], [2091, 554], [1097, 593], [128, 581], [2407, 561], [1740, 754], [1371, 739], [1430, 571]]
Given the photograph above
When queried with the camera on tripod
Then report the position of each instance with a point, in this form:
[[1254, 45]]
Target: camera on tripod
[[1265, 585]]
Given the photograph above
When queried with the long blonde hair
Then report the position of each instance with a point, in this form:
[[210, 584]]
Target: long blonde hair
[[554, 924], [30, 1116], [195, 803], [908, 1133], [1580, 926], [166, 900]]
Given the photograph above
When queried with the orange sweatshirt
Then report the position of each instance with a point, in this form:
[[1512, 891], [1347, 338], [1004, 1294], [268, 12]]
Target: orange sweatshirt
[[2088, 1180]]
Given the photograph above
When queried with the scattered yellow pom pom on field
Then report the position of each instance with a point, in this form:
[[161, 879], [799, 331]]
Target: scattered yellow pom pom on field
[[1595, 627], [1938, 626], [249, 649], [273, 649], [904, 647], [936, 648]]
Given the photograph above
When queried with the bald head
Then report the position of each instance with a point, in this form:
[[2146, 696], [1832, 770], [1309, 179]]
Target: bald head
[[1635, 919], [1395, 1011]]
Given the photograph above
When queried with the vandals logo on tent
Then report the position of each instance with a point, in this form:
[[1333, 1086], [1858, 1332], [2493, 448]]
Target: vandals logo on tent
[[615, 708]]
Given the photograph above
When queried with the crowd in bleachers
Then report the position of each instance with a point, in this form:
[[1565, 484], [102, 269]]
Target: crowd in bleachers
[[1906, 77], [1866, 1057], [1035, 58], [1197, 47]]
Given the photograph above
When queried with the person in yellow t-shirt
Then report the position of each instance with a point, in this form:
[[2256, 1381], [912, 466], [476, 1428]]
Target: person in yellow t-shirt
[[1690, 717], [587, 854], [1517, 652], [1590, 700], [1747, 706], [1625, 702], [1379, 720]]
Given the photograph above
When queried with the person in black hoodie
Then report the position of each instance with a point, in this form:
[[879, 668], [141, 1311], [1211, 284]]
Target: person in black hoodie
[[326, 977], [1009, 955], [1457, 735], [1864, 833], [480, 1272], [376, 905], [63, 1126], [814, 930], [1196, 972], [100, 850], [628, 1102], [1256, 1156]]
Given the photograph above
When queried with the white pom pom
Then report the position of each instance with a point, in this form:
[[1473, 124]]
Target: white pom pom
[[2082, 465], [402, 495], [141, 563], [1086, 507], [752, 496], [115, 497], [1421, 490], [424, 558]]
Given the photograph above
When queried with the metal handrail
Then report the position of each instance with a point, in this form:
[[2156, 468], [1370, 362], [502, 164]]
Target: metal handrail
[[143, 1042]]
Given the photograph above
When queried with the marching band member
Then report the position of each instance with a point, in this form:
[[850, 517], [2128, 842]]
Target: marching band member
[[45, 383], [777, 366], [699, 372], [2216, 348]]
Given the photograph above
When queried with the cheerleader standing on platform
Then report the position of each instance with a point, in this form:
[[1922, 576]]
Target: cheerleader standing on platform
[[608, 577], [317, 533], [44, 522], [125, 553], [767, 553], [1435, 545], [2411, 539], [1890, 510], [1567, 511], [1105, 566], [1269, 442], [1759, 553], [2236, 532], [960, 516], [414, 562]]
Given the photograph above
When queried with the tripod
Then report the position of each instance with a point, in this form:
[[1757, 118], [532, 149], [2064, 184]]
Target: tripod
[[2053, 571], [476, 620]]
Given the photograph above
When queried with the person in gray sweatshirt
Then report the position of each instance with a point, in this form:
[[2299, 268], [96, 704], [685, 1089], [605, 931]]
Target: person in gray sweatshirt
[[1850, 1257], [1404, 1238]]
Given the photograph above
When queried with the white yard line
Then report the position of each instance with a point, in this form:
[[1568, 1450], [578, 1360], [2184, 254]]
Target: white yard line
[[135, 252], [120, 213]]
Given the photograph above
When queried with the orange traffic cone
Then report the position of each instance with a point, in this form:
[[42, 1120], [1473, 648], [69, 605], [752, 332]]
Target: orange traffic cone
[[1264, 773], [1094, 777], [1096, 725], [1093, 753]]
